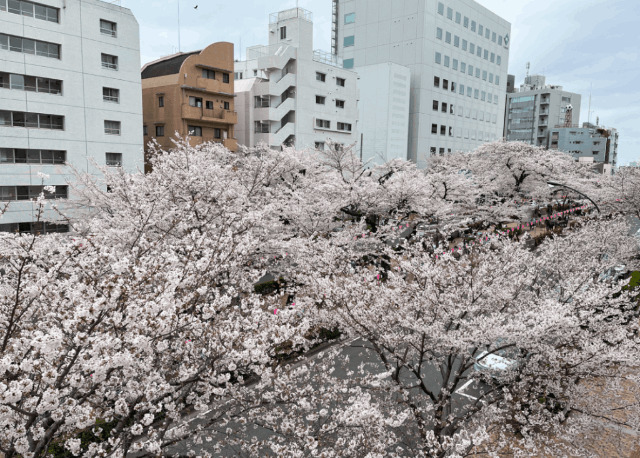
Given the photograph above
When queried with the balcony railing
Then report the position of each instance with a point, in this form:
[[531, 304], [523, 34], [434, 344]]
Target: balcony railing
[[327, 58], [274, 18]]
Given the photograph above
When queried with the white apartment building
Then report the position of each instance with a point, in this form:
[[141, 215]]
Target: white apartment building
[[385, 94], [289, 94], [457, 52], [70, 97]]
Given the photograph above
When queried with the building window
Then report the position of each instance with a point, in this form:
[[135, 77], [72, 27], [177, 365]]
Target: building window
[[469, 91], [484, 75], [445, 85], [30, 9], [195, 131], [107, 27], [110, 94], [323, 123], [438, 58], [349, 41], [112, 127], [446, 61], [114, 159], [159, 131], [160, 101], [217, 133], [436, 81], [441, 151], [444, 107], [443, 130], [9, 193], [472, 48], [435, 105], [439, 33], [225, 78], [447, 37], [208, 74], [498, 60], [344, 126], [480, 29], [109, 61], [348, 63], [466, 22], [350, 18], [485, 55], [226, 105], [30, 83], [464, 45], [31, 120], [463, 67], [477, 72], [145, 131], [32, 156], [434, 128], [340, 104], [320, 99], [476, 93], [321, 77], [208, 104], [29, 46], [340, 81], [440, 8], [453, 86], [458, 18], [449, 13], [283, 33], [195, 102], [473, 26], [461, 89], [479, 51], [456, 41], [319, 146], [497, 80]]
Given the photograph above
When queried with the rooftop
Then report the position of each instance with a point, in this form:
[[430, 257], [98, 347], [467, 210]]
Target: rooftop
[[291, 13], [168, 65]]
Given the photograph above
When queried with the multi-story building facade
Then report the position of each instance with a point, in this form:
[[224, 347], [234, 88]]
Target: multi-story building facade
[[191, 94], [70, 99], [289, 94], [598, 144], [536, 108], [385, 94], [457, 53]]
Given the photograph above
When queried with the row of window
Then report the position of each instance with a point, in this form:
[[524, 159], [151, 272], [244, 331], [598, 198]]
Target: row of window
[[32, 156], [11, 193], [36, 227], [468, 69], [29, 46], [33, 120], [471, 134], [471, 92], [197, 102], [467, 24], [323, 78], [326, 124], [30, 83], [320, 100], [433, 151], [472, 47], [472, 113], [30, 9], [211, 75]]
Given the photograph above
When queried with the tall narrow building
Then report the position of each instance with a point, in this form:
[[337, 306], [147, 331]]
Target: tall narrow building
[[70, 98], [457, 54], [191, 94], [536, 108], [290, 94]]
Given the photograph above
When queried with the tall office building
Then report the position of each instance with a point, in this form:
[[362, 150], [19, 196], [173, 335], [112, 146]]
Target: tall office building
[[536, 108], [191, 94], [290, 94], [70, 98], [457, 53]]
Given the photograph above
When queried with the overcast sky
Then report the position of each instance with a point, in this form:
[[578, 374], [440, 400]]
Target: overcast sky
[[574, 43]]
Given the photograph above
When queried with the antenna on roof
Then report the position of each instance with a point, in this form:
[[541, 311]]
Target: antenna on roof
[[528, 67]]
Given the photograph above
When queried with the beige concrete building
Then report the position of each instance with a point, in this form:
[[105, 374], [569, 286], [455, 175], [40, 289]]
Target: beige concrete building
[[191, 94]]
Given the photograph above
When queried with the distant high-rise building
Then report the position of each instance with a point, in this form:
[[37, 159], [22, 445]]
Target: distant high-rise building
[[70, 97], [536, 108], [457, 55], [191, 94], [289, 94], [593, 143]]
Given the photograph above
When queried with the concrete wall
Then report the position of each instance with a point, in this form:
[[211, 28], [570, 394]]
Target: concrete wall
[[81, 102]]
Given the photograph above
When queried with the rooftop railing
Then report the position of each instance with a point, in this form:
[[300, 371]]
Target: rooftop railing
[[274, 18]]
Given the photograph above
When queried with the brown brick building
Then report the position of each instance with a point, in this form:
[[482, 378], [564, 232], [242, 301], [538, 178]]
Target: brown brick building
[[192, 94]]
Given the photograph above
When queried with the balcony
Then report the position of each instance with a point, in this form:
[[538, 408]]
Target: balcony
[[215, 116]]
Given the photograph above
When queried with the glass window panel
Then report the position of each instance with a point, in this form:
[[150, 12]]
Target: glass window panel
[[18, 119], [349, 41], [59, 157], [46, 156], [4, 41], [30, 83], [28, 46], [33, 156], [15, 44], [55, 86], [17, 82], [5, 118], [350, 18], [14, 6], [6, 154], [41, 12], [52, 14], [44, 120], [54, 50], [3, 5], [22, 192], [7, 193], [27, 9], [42, 48]]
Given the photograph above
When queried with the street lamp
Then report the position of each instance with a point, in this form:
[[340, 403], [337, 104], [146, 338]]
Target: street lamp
[[553, 184]]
